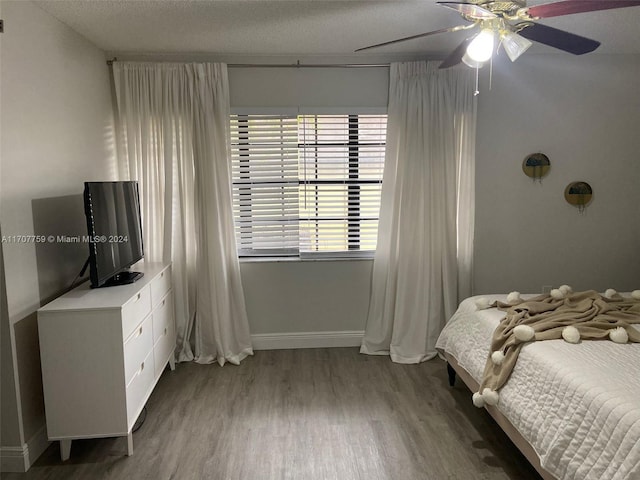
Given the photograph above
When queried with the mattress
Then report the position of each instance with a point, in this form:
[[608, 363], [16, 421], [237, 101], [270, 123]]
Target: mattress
[[578, 405]]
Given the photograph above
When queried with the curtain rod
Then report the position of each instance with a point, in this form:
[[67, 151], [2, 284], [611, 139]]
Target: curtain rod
[[296, 65], [308, 65]]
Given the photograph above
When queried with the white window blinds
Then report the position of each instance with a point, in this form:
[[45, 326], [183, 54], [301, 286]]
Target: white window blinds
[[307, 185], [264, 153], [341, 162]]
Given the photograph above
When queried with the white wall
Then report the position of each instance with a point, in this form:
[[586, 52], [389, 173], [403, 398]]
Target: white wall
[[583, 112], [56, 133]]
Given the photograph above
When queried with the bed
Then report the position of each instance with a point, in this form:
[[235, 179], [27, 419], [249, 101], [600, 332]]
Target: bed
[[572, 409]]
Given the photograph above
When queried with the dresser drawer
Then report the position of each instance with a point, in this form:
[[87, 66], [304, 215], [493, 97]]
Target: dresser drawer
[[162, 317], [164, 347], [135, 309], [160, 286], [139, 387], [137, 347]]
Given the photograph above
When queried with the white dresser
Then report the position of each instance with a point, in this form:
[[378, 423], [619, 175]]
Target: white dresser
[[102, 352]]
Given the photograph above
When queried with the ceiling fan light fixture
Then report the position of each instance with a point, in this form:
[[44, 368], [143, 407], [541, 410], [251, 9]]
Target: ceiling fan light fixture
[[514, 44], [481, 47], [469, 62]]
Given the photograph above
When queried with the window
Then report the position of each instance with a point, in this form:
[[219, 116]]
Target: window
[[307, 185]]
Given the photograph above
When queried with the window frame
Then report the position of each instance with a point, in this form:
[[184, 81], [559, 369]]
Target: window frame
[[284, 255]]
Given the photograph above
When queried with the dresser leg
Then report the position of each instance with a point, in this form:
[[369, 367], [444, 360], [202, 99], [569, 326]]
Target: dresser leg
[[65, 449], [130, 444], [172, 363]]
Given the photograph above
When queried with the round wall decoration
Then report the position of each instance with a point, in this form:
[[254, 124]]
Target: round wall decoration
[[578, 194], [536, 166]]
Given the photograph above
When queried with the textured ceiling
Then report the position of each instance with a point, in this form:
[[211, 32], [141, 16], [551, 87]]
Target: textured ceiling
[[301, 27]]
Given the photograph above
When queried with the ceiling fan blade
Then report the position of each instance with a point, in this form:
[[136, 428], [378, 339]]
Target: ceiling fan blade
[[420, 35], [475, 11], [569, 42], [568, 7], [455, 57]]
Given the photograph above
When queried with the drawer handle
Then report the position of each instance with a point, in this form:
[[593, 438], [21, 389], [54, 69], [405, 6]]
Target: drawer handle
[[162, 274], [142, 367], [137, 297], [165, 330], [163, 302]]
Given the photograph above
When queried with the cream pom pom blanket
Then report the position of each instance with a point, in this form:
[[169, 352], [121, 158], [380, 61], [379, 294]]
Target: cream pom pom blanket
[[588, 314]]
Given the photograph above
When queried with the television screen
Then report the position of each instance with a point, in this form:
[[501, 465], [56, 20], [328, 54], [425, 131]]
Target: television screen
[[115, 231]]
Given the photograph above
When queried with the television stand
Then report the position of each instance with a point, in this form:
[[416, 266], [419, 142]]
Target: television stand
[[122, 278], [102, 352]]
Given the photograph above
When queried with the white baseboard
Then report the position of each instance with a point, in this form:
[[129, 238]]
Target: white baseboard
[[14, 459], [284, 341], [37, 445], [20, 459]]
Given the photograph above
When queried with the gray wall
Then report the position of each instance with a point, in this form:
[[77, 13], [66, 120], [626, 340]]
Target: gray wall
[[309, 87], [10, 433], [309, 296], [57, 130], [584, 113], [10, 427], [581, 111]]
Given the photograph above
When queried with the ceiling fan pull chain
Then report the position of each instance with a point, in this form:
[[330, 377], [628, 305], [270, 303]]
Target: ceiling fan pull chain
[[490, 73], [477, 92]]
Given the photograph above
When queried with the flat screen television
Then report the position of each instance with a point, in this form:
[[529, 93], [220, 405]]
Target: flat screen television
[[115, 232]]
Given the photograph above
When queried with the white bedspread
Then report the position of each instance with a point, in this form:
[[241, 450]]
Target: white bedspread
[[577, 405]]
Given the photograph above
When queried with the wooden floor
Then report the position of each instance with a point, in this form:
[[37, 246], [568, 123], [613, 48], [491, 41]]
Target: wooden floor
[[314, 414]]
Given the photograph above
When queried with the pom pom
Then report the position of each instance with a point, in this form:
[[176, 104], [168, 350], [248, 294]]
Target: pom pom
[[490, 397], [565, 289], [610, 293], [571, 334], [513, 297], [482, 303], [556, 293], [636, 294], [497, 357], [619, 335], [524, 333], [478, 401]]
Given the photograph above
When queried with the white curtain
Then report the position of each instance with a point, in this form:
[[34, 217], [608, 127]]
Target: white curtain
[[173, 138], [423, 261]]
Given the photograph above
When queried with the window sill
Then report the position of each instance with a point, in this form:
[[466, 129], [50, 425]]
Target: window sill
[[302, 260]]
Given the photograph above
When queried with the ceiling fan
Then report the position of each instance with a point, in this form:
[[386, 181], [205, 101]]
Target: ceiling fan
[[511, 25]]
